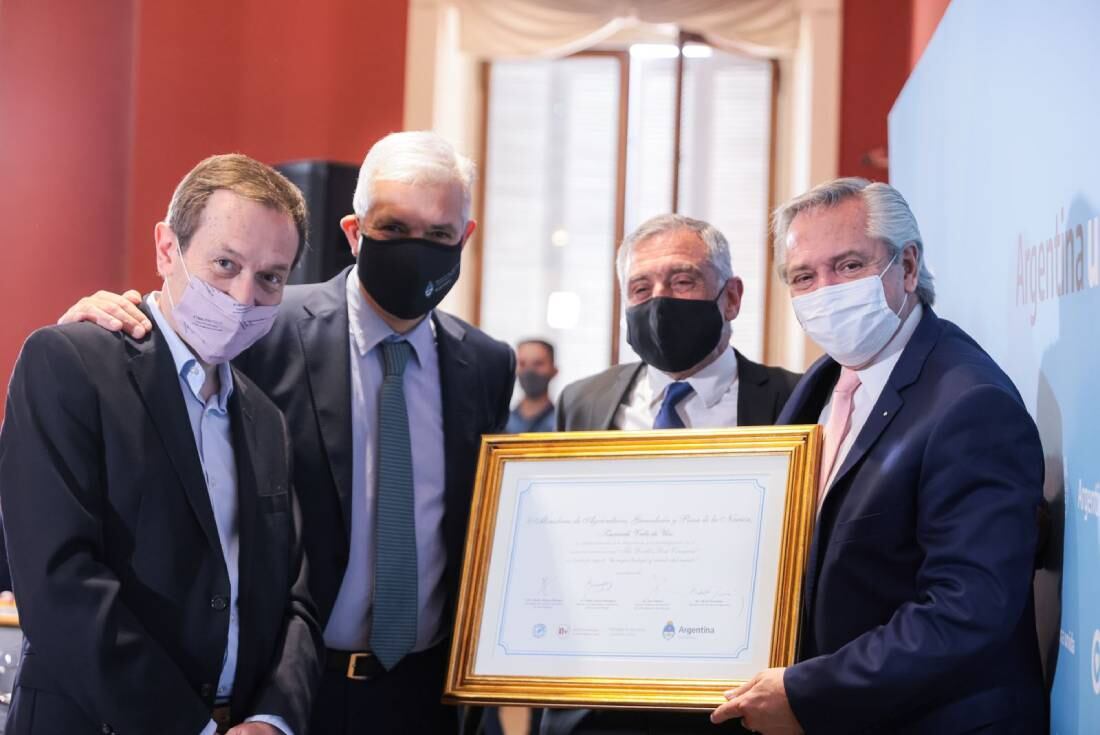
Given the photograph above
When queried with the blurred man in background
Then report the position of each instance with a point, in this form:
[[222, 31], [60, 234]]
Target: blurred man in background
[[535, 369]]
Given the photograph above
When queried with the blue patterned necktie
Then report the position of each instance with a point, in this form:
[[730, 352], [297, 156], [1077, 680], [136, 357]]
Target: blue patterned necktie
[[393, 629], [667, 418]]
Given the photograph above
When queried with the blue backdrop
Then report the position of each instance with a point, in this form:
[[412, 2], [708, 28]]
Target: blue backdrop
[[995, 142]]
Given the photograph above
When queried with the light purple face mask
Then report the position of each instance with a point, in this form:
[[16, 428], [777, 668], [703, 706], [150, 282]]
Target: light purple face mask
[[215, 325]]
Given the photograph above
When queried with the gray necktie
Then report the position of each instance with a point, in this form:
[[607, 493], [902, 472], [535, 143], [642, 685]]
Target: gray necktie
[[393, 629]]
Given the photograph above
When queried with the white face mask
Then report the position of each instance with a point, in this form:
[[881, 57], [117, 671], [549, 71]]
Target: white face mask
[[851, 321]]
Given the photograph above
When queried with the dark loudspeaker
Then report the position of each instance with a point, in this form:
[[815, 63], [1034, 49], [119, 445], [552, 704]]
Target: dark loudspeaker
[[328, 188]]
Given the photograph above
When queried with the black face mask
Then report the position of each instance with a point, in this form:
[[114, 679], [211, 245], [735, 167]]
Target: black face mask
[[408, 277], [534, 384], [674, 335]]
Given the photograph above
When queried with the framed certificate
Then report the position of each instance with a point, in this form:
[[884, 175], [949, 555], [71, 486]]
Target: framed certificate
[[648, 570]]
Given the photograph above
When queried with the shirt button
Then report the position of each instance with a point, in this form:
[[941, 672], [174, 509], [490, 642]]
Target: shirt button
[[219, 603]]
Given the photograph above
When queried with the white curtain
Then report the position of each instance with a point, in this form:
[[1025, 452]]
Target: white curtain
[[526, 28]]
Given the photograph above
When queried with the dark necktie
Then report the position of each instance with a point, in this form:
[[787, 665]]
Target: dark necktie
[[393, 628], [667, 418]]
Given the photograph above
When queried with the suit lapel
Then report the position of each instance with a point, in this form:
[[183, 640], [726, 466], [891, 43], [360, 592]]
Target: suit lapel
[[323, 332], [890, 401], [804, 407], [755, 403], [459, 388], [250, 477], [811, 394], [154, 374], [607, 405]]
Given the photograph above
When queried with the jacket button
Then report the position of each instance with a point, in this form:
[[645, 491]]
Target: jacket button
[[219, 603], [106, 729], [206, 691]]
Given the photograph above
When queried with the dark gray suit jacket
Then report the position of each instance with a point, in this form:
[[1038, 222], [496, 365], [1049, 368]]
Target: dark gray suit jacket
[[591, 404], [304, 366]]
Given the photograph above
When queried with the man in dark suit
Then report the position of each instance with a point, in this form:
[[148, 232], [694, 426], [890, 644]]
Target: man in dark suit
[[917, 613], [681, 297], [146, 491], [386, 399]]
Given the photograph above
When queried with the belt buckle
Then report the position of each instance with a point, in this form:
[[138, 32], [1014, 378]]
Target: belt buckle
[[354, 659]]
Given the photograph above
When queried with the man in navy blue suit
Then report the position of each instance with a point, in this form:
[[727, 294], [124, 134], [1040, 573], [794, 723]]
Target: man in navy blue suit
[[917, 611]]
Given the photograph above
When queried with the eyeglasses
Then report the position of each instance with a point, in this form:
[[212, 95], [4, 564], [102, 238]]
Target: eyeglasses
[[850, 267]]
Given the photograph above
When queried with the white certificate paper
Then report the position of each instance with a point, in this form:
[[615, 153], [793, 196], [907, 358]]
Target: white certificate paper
[[625, 569]]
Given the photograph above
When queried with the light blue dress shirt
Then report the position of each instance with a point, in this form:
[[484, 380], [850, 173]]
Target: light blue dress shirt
[[214, 441], [348, 627]]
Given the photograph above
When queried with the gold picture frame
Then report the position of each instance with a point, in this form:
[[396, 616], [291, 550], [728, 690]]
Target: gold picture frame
[[488, 667], [9, 616]]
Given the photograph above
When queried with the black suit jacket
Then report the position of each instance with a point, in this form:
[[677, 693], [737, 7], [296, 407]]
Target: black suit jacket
[[591, 403], [115, 556], [304, 366]]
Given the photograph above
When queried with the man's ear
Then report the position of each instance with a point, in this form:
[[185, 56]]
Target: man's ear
[[470, 227], [734, 289], [165, 243], [349, 223], [910, 261]]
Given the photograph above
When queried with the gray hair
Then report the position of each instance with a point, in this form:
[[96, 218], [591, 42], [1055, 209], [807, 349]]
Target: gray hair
[[414, 157], [718, 250], [889, 220]]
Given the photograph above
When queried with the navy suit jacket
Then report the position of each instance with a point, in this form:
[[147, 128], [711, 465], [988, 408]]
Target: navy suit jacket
[[918, 614], [304, 365]]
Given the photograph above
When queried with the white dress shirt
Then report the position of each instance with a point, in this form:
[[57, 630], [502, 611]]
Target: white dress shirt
[[713, 404], [349, 626], [872, 381], [214, 442]]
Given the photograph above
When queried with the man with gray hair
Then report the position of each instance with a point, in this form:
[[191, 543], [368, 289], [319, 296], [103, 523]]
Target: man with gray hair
[[361, 365], [681, 296], [917, 612]]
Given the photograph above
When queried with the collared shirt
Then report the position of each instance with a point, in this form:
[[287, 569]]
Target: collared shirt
[[713, 404], [520, 424], [348, 628], [872, 381], [214, 442]]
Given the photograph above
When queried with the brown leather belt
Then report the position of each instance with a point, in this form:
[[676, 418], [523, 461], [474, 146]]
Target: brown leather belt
[[355, 665], [221, 718]]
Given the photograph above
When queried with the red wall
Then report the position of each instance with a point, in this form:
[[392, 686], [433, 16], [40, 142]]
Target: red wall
[[882, 43], [64, 142], [926, 16], [277, 79], [104, 106], [875, 62]]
